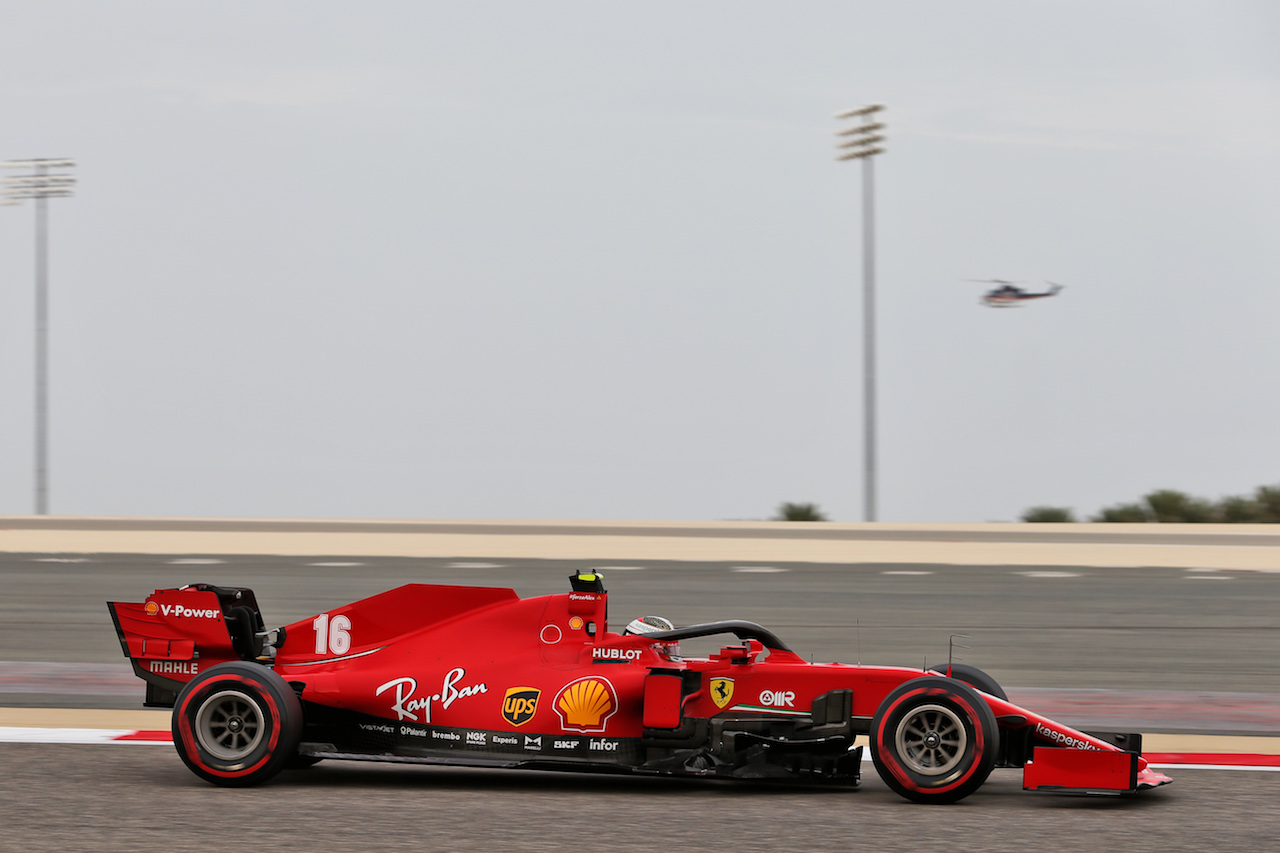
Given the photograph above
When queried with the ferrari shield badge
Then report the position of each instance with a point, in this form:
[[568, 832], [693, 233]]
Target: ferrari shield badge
[[721, 691]]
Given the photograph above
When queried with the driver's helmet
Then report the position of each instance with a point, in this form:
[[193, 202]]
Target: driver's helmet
[[652, 625]]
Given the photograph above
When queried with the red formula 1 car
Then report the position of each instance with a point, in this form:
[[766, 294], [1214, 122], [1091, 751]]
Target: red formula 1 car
[[481, 677]]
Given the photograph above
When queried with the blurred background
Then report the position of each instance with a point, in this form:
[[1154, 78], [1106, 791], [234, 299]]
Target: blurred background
[[579, 260]]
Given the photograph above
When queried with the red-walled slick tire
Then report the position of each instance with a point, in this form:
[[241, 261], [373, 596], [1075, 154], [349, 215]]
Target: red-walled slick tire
[[237, 724], [934, 740]]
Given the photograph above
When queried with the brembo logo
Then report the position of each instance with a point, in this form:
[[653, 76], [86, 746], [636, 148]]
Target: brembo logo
[[177, 610], [1063, 739]]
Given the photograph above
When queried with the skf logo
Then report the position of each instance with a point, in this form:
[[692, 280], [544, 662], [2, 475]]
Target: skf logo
[[721, 691], [586, 705], [520, 704]]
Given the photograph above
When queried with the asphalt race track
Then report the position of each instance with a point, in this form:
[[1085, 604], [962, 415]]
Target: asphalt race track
[[1153, 649], [138, 798]]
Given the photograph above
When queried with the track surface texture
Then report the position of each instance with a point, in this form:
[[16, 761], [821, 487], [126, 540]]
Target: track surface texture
[[1152, 649], [116, 798]]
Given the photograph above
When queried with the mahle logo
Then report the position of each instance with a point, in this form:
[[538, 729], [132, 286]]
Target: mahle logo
[[520, 704]]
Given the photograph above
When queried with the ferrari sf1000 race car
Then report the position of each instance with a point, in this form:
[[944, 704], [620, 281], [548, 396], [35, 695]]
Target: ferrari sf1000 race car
[[478, 676]]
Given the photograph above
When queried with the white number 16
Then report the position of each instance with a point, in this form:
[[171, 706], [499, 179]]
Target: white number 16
[[332, 634]]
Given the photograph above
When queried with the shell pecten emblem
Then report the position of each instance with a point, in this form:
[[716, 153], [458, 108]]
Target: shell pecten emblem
[[586, 705]]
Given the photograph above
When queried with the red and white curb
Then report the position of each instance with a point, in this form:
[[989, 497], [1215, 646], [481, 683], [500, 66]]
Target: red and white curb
[[30, 734], [1158, 760], [1214, 760]]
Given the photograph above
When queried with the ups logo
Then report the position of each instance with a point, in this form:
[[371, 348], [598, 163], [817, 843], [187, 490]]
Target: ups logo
[[520, 704]]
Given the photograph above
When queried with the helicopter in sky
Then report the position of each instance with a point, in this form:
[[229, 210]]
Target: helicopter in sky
[[1009, 295]]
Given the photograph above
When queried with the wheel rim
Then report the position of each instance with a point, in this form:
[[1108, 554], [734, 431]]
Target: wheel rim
[[230, 725], [931, 740]]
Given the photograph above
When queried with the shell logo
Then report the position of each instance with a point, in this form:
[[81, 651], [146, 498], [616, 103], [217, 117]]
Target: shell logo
[[152, 608], [586, 705]]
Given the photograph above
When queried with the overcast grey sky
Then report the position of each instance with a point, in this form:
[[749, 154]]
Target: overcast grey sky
[[596, 260]]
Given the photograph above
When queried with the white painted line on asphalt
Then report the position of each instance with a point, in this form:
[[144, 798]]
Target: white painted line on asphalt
[[20, 734], [195, 561], [906, 572], [1213, 767], [60, 560], [1049, 574], [759, 570], [1209, 578], [474, 566], [336, 565]]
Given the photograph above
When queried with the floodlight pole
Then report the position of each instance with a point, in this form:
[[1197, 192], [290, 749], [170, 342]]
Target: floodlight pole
[[862, 143], [40, 185]]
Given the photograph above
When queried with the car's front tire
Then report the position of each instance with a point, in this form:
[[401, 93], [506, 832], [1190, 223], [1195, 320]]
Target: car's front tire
[[934, 740], [973, 677], [237, 724]]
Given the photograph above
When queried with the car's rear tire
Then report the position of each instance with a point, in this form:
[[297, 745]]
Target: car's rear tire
[[973, 677], [934, 740], [237, 724]]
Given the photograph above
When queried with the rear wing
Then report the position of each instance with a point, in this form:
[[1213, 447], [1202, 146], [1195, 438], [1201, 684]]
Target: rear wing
[[176, 633]]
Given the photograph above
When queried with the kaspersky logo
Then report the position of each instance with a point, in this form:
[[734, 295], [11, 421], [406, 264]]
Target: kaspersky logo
[[520, 704], [586, 705]]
